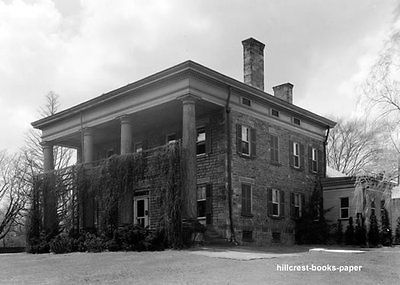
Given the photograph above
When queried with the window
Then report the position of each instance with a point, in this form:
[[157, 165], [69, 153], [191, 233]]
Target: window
[[247, 235], [138, 147], [274, 149], [296, 155], [275, 113], [246, 199], [245, 136], [201, 201], [296, 121], [245, 141], [201, 141], [297, 201], [372, 207], [171, 138], [246, 101], [275, 202], [344, 207], [314, 160]]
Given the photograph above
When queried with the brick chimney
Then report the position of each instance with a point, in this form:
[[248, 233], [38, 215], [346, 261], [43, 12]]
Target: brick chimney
[[253, 58], [284, 92]]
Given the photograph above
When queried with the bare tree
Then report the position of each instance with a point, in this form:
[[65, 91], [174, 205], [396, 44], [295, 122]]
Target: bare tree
[[13, 191], [33, 151], [354, 145]]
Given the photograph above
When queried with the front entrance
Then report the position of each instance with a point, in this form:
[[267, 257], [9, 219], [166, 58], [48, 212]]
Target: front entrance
[[141, 211]]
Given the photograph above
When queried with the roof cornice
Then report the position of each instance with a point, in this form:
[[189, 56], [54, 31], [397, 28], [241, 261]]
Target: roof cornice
[[187, 67]]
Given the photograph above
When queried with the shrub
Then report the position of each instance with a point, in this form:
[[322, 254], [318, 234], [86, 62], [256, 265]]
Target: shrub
[[349, 234], [386, 231], [61, 244], [93, 243], [38, 244], [339, 232], [397, 232], [373, 234], [360, 232]]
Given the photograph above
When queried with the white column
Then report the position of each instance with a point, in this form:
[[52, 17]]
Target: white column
[[88, 145], [126, 135]]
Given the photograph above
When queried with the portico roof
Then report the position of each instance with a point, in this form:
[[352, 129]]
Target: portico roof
[[182, 70]]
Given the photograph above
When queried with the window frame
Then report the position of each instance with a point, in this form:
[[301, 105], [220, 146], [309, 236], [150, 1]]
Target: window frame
[[201, 142], [168, 140], [243, 99], [201, 200], [296, 155], [274, 148], [314, 159], [247, 210], [248, 141], [296, 121], [276, 115], [277, 202], [344, 208], [298, 205], [135, 147]]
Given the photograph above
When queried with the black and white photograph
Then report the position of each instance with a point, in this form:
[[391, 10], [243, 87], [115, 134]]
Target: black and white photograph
[[199, 142]]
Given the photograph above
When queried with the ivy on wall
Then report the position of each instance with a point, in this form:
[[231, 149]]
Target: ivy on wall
[[108, 182]]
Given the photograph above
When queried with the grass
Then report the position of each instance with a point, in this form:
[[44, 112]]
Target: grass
[[189, 267]]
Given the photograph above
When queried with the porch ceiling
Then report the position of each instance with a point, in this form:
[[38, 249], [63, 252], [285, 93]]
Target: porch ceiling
[[153, 118]]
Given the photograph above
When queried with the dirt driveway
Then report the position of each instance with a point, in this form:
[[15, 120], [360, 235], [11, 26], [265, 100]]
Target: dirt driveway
[[205, 266]]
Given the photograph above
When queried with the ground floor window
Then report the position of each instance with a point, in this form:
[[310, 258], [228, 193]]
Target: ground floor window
[[141, 211], [201, 201], [275, 202], [344, 207], [246, 199]]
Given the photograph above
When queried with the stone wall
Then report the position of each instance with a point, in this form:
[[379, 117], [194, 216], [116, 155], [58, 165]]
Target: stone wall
[[261, 174]]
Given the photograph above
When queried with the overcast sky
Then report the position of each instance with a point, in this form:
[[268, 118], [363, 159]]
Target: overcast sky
[[81, 49]]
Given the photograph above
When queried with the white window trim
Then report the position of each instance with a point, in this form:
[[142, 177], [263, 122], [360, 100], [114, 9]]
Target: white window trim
[[296, 153], [340, 208], [278, 198]]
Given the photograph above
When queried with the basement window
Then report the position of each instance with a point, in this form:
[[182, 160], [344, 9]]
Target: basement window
[[246, 101]]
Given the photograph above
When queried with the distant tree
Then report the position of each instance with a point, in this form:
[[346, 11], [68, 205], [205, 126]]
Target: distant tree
[[349, 234], [13, 191], [373, 233], [353, 145]]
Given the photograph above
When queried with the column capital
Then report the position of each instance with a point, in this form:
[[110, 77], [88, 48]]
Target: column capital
[[46, 144], [189, 98], [125, 119], [87, 131]]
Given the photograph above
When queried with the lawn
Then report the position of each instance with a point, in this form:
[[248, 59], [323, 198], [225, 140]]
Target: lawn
[[201, 266]]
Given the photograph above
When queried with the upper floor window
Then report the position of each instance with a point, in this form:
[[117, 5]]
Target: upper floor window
[[138, 147], [171, 138], [246, 141], [314, 160], [296, 155], [201, 141], [274, 149], [245, 101], [275, 113], [296, 121], [275, 202], [344, 207]]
